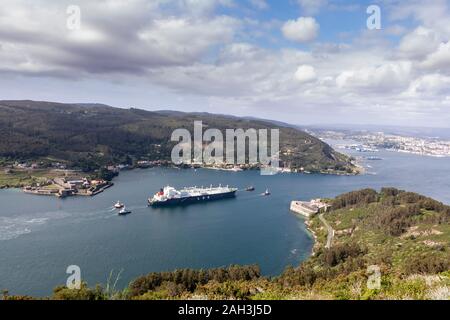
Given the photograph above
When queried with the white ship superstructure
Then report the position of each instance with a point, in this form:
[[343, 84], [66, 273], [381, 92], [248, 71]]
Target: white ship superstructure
[[169, 195]]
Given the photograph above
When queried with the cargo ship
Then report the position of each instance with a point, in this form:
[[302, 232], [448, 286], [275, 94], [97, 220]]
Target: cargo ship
[[169, 196]]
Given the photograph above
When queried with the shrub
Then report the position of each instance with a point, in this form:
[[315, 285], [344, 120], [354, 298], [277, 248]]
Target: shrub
[[361, 197], [429, 264], [189, 279], [340, 253], [84, 293]]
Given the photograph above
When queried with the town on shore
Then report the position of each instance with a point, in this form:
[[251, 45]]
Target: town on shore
[[373, 141], [56, 179]]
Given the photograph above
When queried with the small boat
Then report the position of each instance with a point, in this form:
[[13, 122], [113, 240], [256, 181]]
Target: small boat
[[251, 188], [267, 193], [124, 212], [119, 205]]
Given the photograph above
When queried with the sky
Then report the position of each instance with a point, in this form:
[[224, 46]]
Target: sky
[[298, 61]]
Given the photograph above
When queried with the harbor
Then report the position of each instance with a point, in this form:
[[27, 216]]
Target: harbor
[[251, 229]]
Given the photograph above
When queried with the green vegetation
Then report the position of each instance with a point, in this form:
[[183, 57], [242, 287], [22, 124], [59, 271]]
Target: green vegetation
[[20, 178], [405, 234], [88, 137]]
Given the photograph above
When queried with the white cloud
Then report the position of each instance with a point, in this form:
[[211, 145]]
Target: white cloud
[[311, 7], [396, 30], [418, 43], [202, 7], [240, 52], [440, 59], [429, 85], [304, 29], [182, 40], [259, 4], [188, 48], [305, 73], [430, 14], [386, 77], [113, 38]]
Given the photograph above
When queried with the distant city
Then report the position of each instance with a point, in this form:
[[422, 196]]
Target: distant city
[[371, 141]]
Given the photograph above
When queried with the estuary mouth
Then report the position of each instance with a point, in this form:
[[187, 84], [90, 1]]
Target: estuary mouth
[[215, 156]]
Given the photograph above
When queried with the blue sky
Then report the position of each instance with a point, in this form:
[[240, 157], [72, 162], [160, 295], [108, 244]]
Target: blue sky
[[301, 61]]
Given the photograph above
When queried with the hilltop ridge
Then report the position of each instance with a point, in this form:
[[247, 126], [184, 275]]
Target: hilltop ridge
[[89, 136]]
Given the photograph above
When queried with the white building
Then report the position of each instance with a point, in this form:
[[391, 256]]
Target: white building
[[308, 209]]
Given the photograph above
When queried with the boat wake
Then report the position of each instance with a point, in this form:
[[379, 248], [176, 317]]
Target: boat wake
[[13, 227], [16, 226]]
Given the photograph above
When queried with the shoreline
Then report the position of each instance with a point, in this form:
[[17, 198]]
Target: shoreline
[[24, 178], [314, 248]]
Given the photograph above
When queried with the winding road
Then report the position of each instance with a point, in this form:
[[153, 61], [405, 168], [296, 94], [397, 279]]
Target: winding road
[[330, 231]]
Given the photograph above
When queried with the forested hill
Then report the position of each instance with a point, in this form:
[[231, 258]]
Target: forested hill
[[90, 135]]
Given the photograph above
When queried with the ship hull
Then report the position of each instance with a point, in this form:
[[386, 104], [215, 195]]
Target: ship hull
[[191, 200]]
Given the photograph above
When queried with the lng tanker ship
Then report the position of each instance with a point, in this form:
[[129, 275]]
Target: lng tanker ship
[[170, 196]]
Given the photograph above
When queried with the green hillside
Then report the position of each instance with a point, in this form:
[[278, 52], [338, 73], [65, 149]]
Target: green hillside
[[88, 136]]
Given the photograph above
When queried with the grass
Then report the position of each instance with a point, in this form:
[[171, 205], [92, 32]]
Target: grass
[[19, 178]]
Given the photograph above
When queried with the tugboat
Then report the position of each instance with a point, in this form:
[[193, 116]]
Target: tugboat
[[119, 205], [251, 188], [124, 212], [267, 193]]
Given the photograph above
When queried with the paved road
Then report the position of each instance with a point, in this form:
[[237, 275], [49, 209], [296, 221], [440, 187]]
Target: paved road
[[330, 231]]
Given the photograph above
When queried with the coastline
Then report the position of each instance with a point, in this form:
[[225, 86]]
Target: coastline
[[19, 179], [327, 284], [314, 235]]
